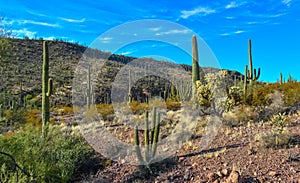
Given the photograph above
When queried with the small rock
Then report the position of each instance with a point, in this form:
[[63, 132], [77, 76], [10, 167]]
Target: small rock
[[187, 176], [216, 181], [180, 159], [167, 181], [219, 174], [272, 173], [225, 171], [234, 177], [194, 164], [212, 176]]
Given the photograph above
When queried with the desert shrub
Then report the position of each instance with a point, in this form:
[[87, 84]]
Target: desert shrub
[[50, 159], [240, 115], [212, 93], [138, 108], [275, 139], [279, 122], [173, 105], [15, 117], [33, 117], [291, 92], [279, 135], [105, 110], [64, 110], [235, 95]]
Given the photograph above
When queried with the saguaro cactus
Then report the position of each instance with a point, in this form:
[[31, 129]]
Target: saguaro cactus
[[47, 85], [89, 88], [252, 75], [129, 87], [195, 61], [245, 82], [280, 78], [150, 149]]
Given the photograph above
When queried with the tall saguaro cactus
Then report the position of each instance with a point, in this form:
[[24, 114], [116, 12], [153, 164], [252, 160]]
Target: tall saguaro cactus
[[252, 75], [195, 61], [47, 84], [89, 88]]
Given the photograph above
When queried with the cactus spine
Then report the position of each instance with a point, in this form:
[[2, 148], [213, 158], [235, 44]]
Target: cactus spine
[[150, 148], [252, 75], [47, 85]]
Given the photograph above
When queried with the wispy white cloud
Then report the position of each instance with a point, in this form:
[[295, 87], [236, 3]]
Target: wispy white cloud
[[287, 2], [36, 14], [225, 34], [234, 4], [229, 17], [174, 31], [126, 53], [154, 29], [24, 33], [200, 11], [106, 39], [239, 32], [231, 33], [20, 22], [72, 20]]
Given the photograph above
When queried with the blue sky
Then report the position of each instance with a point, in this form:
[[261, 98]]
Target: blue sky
[[225, 26]]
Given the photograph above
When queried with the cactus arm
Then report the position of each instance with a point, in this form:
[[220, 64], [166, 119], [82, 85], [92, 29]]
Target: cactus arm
[[153, 123], [50, 87], [137, 145], [146, 136], [155, 137], [258, 74]]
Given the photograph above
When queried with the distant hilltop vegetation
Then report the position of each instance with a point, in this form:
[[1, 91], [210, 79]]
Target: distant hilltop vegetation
[[21, 70]]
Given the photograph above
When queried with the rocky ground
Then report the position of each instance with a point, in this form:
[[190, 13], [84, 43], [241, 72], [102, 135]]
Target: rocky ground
[[235, 155]]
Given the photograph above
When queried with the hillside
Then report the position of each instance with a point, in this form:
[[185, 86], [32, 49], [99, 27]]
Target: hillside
[[21, 72]]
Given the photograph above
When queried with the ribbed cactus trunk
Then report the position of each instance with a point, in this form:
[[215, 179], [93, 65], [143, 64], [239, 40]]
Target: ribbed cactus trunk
[[46, 89], [252, 75], [245, 83], [195, 69], [129, 87], [280, 79], [195, 61], [89, 88]]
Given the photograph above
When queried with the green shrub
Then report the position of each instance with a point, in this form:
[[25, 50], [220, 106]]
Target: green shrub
[[50, 159], [279, 122]]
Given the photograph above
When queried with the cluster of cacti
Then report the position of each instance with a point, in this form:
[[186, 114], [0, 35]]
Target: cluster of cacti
[[150, 147], [47, 85]]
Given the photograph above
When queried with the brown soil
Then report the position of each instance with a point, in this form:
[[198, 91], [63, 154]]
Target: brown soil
[[233, 149]]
